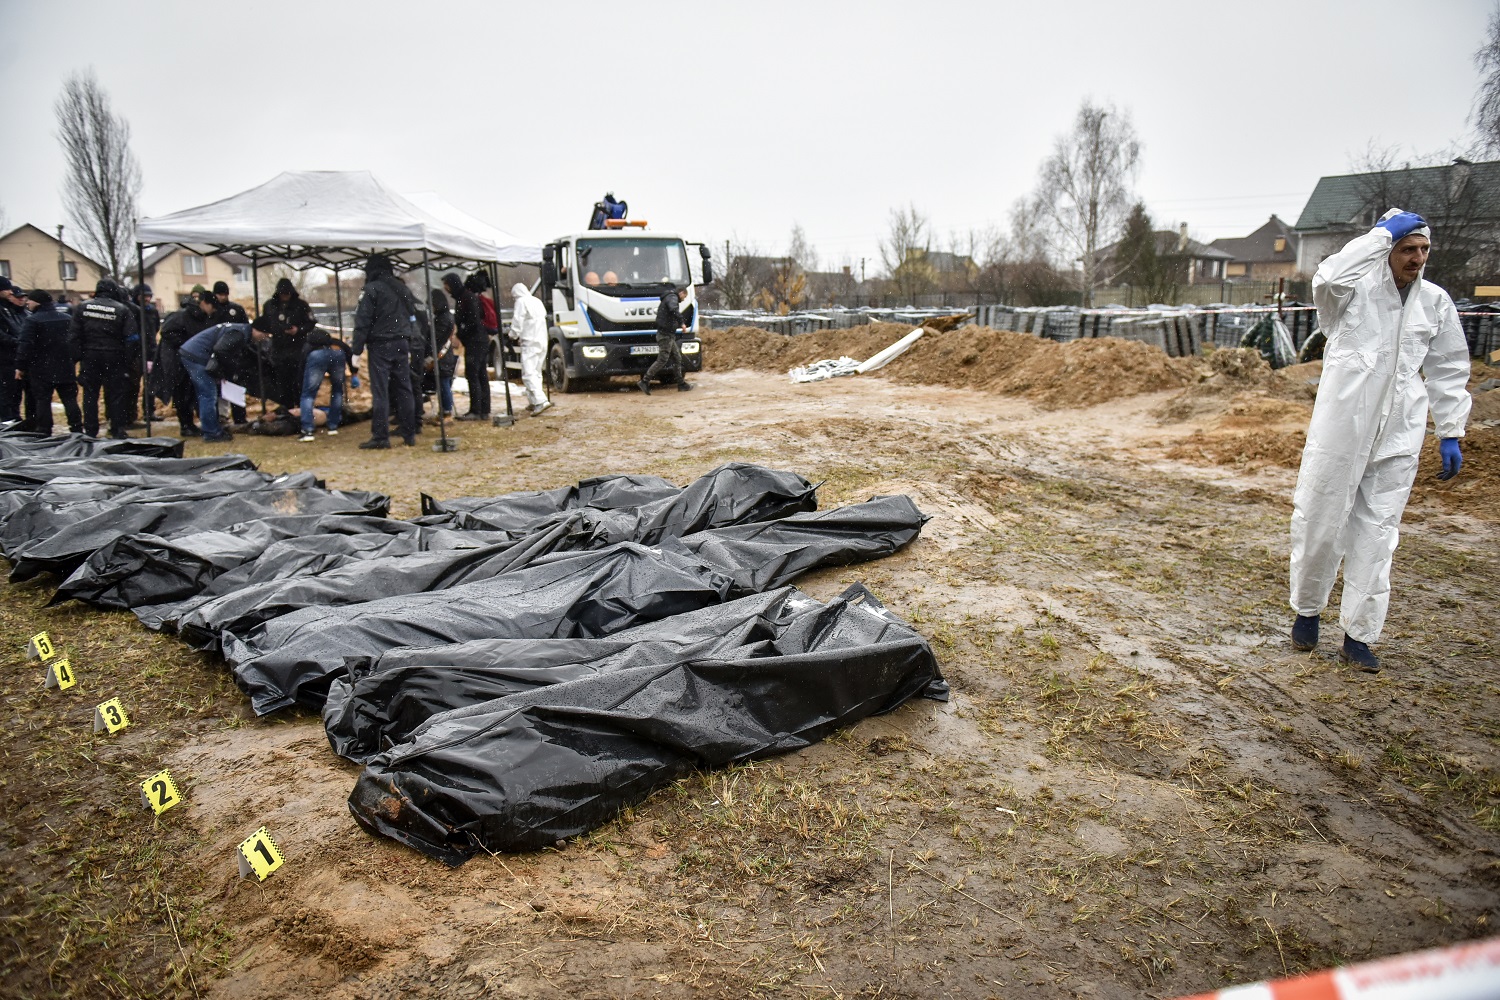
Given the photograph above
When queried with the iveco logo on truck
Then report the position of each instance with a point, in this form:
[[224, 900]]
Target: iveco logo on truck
[[601, 290]]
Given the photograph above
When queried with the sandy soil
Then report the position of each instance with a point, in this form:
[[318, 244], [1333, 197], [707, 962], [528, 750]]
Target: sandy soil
[[1138, 788]]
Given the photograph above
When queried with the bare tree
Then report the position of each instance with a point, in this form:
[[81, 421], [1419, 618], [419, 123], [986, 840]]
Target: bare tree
[[733, 274], [904, 251], [103, 179], [803, 253], [1486, 116], [1083, 191]]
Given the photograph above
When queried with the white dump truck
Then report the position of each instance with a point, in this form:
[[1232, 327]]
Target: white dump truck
[[601, 289]]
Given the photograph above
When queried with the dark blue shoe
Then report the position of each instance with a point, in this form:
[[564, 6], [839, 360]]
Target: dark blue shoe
[[1305, 632], [1358, 654]]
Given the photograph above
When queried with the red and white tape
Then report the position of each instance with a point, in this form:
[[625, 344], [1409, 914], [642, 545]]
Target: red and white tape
[[1463, 972]]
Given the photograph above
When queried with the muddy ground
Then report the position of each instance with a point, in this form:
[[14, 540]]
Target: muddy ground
[[1137, 789]]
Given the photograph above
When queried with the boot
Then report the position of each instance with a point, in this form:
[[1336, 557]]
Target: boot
[[1358, 654], [645, 386], [684, 386], [374, 445], [1305, 632]]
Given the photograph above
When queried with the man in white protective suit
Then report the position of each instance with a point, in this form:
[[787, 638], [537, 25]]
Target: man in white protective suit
[[528, 324], [1387, 330]]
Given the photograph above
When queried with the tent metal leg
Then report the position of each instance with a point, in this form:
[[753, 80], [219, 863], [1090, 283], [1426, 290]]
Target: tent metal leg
[[260, 371], [148, 402], [445, 443], [509, 420]]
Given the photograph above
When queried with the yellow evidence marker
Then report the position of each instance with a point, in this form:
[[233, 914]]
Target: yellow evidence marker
[[60, 675], [40, 647], [110, 715], [160, 792], [258, 854]]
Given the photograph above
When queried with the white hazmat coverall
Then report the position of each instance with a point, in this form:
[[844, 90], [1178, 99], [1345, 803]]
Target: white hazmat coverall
[[1367, 427], [528, 324]]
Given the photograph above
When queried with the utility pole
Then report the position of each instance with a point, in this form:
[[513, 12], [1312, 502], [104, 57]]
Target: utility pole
[[62, 262]]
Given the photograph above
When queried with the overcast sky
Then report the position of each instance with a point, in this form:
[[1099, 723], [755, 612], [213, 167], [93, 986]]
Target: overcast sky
[[715, 120]]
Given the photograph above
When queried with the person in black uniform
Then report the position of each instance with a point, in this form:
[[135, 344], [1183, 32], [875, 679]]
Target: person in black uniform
[[287, 317], [476, 343], [227, 311], [169, 379], [384, 320], [44, 359], [148, 320], [668, 357], [12, 317], [104, 333]]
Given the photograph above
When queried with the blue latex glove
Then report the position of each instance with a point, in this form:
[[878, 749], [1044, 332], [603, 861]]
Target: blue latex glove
[[1453, 458], [354, 381], [1402, 225]]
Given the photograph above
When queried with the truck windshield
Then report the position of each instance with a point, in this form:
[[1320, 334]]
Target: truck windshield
[[618, 267]]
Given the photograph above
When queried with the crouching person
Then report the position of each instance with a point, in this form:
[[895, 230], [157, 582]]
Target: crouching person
[[209, 356]]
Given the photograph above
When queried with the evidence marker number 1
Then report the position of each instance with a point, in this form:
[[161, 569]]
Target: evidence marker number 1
[[259, 854]]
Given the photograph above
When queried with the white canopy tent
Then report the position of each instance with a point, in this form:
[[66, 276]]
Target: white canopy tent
[[335, 219]]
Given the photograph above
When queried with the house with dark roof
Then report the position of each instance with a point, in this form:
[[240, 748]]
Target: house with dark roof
[[1460, 199], [173, 273], [1265, 255], [1196, 263]]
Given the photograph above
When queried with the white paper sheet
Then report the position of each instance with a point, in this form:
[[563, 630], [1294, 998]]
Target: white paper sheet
[[232, 393]]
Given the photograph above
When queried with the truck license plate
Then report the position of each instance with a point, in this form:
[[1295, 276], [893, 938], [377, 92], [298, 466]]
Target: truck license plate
[[643, 349]]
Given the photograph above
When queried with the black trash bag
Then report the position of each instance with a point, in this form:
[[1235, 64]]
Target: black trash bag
[[54, 506], [372, 709], [16, 444], [332, 572], [735, 493], [526, 770], [65, 551], [519, 511], [29, 473], [728, 493], [292, 659], [769, 554], [145, 571]]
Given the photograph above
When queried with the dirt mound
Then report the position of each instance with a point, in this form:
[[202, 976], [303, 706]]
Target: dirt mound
[[762, 350], [1253, 432], [1476, 491], [1079, 373], [1228, 372]]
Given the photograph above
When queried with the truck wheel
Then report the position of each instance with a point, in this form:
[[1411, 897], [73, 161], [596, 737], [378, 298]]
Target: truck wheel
[[557, 370]]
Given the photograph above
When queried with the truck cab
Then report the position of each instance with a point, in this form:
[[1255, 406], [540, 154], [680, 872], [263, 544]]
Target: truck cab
[[601, 289]]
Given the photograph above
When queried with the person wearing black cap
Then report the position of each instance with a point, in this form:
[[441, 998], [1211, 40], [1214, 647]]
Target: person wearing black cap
[[104, 332], [12, 316], [385, 320], [44, 359], [227, 311], [287, 317]]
